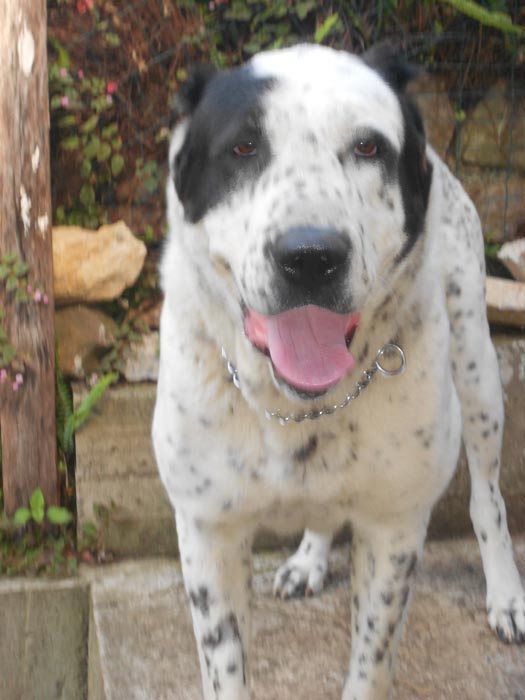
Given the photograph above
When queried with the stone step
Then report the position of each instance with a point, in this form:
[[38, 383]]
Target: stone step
[[115, 464], [141, 642]]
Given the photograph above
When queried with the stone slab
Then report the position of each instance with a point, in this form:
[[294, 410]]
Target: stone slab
[[115, 463], [43, 639], [506, 302], [142, 631]]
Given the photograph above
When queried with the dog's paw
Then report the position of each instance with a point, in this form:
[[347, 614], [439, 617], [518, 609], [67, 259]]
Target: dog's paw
[[508, 622], [300, 576]]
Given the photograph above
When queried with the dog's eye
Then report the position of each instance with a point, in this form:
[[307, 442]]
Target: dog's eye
[[366, 149], [245, 149]]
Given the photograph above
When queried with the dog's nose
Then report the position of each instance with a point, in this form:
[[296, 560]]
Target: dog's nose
[[309, 256]]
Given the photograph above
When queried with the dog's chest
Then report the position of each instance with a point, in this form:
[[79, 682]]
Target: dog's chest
[[383, 452]]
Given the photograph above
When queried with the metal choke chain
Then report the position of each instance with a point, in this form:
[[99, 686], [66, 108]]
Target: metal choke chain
[[359, 387]]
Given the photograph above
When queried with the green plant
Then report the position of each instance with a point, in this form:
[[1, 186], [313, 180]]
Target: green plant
[[14, 278], [40, 540], [497, 18], [82, 109], [37, 511], [74, 419]]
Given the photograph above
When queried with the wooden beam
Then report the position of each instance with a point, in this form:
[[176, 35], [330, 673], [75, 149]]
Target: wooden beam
[[27, 416]]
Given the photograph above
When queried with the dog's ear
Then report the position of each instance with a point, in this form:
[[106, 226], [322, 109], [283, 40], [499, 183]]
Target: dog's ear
[[389, 60], [191, 91]]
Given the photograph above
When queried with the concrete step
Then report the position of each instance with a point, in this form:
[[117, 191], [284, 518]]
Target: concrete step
[[141, 642], [115, 464]]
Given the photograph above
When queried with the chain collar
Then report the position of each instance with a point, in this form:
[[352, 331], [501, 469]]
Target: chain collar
[[359, 387]]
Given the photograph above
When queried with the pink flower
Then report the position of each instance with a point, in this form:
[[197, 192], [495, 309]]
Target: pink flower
[[45, 299], [63, 72], [89, 4], [211, 5], [19, 378], [15, 386], [3, 375], [111, 87], [81, 7], [29, 289], [38, 296], [80, 74], [109, 99], [64, 100]]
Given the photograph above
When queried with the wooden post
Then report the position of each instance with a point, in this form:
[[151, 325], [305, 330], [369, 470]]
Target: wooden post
[[27, 416]]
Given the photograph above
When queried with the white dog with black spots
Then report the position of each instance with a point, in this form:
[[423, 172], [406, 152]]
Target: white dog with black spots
[[311, 226]]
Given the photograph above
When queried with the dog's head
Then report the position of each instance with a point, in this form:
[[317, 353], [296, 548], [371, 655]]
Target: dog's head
[[299, 186]]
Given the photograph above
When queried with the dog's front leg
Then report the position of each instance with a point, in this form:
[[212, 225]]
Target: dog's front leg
[[216, 564], [384, 560]]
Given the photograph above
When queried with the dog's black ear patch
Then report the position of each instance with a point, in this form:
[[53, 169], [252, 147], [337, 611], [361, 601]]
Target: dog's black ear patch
[[191, 91], [389, 60]]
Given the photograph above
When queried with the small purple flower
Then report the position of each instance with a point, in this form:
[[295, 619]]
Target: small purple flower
[[63, 73], [3, 375], [38, 296], [45, 299], [109, 99], [19, 378], [15, 386], [64, 101]]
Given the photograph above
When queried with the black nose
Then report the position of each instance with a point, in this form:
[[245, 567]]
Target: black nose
[[311, 256]]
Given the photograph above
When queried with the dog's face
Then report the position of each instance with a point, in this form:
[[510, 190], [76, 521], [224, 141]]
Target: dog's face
[[300, 184]]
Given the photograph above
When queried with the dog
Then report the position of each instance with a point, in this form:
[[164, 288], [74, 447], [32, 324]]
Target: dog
[[324, 349]]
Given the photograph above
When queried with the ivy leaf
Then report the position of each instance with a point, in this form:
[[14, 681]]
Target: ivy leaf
[[117, 164], [70, 144], [90, 124], [36, 503], [59, 516], [21, 517], [103, 152], [87, 195], [11, 284], [20, 268]]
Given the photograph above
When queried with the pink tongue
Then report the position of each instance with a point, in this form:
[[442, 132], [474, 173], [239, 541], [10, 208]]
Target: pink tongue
[[307, 345]]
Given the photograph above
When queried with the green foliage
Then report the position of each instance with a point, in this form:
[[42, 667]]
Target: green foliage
[[326, 27], [36, 513], [82, 413], [496, 16], [82, 116], [39, 540], [15, 281]]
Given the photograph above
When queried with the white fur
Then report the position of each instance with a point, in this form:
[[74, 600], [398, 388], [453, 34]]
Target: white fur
[[382, 462]]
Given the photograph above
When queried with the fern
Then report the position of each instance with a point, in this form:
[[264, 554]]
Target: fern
[[64, 408], [82, 413]]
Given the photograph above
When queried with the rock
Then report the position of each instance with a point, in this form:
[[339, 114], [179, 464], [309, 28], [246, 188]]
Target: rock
[[501, 207], [149, 313], [431, 95], [505, 302], [495, 131], [83, 335], [95, 265], [512, 255], [141, 359]]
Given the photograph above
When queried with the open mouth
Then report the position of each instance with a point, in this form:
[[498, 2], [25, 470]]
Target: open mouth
[[308, 345]]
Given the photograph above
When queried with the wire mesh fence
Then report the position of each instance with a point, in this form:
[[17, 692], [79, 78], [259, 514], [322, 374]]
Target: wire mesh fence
[[115, 66]]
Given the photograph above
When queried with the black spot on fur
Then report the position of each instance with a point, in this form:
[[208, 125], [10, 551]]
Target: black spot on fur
[[200, 599], [303, 454], [226, 630], [206, 168]]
